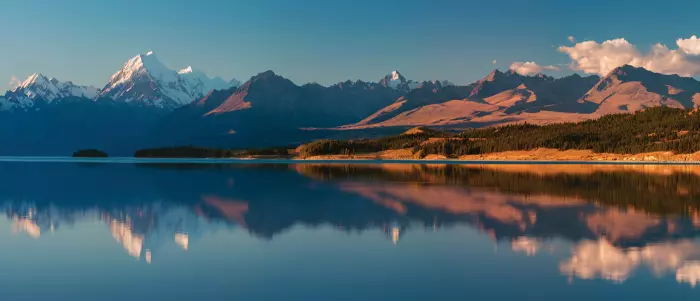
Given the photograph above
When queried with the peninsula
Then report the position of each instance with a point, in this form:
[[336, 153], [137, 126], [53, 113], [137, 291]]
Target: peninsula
[[653, 134]]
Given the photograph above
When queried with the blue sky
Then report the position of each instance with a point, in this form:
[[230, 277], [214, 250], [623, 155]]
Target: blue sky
[[326, 41]]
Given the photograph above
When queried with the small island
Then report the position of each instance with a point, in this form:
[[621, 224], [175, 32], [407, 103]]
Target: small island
[[90, 153]]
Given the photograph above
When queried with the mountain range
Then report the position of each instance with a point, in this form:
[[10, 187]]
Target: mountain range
[[146, 104]]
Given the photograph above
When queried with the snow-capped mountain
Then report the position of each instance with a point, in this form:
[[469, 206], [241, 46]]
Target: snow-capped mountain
[[146, 81], [38, 88], [397, 81], [49, 89], [196, 80]]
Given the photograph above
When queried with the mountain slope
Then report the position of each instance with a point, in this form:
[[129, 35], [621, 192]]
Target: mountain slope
[[629, 89], [265, 91], [517, 92], [498, 96], [428, 93], [512, 97], [497, 82]]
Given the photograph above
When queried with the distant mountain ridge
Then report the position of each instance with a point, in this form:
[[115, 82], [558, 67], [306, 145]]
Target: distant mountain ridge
[[397, 81], [142, 81], [269, 104], [152, 105], [507, 97], [501, 93], [38, 90]]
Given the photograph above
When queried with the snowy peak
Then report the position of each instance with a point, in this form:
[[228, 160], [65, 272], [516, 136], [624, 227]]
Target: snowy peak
[[397, 81], [143, 65], [197, 81], [34, 79], [39, 86], [144, 80], [216, 83], [39, 90], [186, 70], [393, 80], [395, 76]]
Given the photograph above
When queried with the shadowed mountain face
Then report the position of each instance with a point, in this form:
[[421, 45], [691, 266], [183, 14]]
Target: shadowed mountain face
[[73, 123], [281, 103], [271, 110]]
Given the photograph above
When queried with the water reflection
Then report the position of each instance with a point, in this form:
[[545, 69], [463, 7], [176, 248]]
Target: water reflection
[[527, 245], [601, 259], [27, 225], [614, 220]]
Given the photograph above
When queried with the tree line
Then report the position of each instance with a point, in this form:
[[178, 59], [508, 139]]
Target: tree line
[[653, 129]]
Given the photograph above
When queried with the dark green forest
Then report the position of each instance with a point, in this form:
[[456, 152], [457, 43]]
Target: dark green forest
[[653, 129], [350, 147]]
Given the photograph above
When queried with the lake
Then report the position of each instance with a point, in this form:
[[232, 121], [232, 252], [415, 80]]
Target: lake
[[173, 231]]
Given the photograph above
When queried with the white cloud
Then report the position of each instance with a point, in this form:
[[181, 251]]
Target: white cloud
[[572, 39], [527, 68], [14, 82], [690, 45], [601, 58], [494, 62]]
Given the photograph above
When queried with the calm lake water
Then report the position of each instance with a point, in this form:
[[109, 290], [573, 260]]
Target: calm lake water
[[94, 231]]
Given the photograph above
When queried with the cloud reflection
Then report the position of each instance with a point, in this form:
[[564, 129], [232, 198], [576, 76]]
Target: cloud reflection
[[601, 259], [689, 272], [528, 245]]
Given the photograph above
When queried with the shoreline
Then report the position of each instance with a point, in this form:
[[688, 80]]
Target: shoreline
[[543, 156], [132, 160], [535, 155]]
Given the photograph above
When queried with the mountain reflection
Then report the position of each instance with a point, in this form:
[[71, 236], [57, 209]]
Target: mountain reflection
[[618, 219]]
